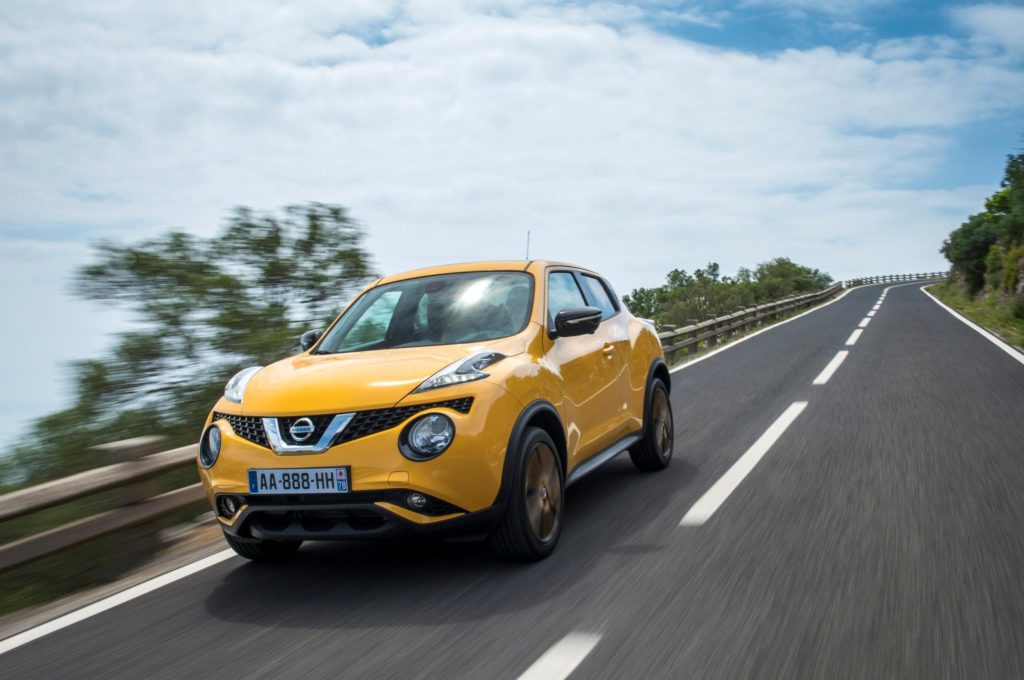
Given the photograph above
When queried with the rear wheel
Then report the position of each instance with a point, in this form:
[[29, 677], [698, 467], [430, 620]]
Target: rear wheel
[[532, 521], [263, 551], [654, 450]]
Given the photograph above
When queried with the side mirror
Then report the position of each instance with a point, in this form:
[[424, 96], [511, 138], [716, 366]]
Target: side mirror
[[577, 321], [309, 338]]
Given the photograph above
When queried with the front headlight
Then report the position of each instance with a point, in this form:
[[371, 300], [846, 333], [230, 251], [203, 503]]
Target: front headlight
[[462, 371], [428, 436], [209, 447], [235, 388]]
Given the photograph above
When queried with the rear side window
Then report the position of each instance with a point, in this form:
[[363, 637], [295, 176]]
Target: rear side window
[[598, 296], [563, 293]]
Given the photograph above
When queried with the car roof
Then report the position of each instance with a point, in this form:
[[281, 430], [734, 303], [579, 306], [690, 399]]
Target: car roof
[[534, 266]]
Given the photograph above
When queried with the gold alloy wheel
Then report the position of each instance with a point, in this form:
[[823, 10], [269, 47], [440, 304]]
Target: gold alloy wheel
[[543, 492], [662, 417]]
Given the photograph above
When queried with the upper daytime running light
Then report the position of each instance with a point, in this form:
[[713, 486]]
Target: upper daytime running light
[[235, 388], [462, 371]]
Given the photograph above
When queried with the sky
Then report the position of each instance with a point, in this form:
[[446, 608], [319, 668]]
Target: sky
[[630, 137]]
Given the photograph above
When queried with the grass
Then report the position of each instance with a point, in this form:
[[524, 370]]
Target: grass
[[991, 310]]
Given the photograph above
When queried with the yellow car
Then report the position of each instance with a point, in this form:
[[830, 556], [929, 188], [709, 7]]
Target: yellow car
[[455, 400]]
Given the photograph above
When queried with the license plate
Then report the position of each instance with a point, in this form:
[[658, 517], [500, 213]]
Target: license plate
[[299, 480]]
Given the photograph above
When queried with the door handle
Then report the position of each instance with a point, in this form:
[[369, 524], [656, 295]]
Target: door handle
[[609, 350]]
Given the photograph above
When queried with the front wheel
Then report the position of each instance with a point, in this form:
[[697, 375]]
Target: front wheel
[[532, 521], [654, 450], [263, 551]]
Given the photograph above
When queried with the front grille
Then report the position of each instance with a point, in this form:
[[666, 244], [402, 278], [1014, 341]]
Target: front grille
[[246, 427], [434, 507], [363, 423], [318, 521]]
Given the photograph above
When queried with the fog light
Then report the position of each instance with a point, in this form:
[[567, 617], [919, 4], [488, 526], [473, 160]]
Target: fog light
[[227, 506], [416, 501]]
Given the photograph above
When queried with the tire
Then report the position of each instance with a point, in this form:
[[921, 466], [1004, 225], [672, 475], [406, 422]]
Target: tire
[[532, 522], [263, 551], [654, 450]]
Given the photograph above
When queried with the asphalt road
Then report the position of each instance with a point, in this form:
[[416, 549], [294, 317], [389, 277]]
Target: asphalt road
[[878, 537]]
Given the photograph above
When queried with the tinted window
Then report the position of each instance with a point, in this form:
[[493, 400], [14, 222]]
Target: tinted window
[[598, 296], [563, 293], [434, 310]]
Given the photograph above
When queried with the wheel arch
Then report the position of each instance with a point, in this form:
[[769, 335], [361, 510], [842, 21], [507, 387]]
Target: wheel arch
[[540, 414], [658, 369]]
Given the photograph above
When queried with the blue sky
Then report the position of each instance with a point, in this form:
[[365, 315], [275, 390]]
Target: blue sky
[[633, 137]]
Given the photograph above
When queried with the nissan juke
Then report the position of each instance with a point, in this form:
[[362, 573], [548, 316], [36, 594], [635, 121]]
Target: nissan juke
[[453, 401]]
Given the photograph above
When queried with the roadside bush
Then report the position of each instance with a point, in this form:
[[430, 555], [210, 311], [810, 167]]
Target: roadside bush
[[706, 293]]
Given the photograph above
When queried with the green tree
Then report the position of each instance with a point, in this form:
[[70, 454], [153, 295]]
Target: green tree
[[205, 307], [967, 247], [706, 293]]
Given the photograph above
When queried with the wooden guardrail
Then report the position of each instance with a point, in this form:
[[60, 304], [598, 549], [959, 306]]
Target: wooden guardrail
[[708, 333], [893, 278], [137, 462]]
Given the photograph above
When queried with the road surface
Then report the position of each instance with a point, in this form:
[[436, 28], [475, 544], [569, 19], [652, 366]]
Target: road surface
[[869, 526]]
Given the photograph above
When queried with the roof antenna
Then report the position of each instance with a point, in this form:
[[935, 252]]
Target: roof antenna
[[527, 244]]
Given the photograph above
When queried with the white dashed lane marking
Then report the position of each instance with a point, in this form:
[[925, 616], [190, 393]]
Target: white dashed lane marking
[[714, 497], [562, 659], [832, 367]]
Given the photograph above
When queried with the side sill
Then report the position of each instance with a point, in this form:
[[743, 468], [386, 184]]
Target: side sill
[[599, 459]]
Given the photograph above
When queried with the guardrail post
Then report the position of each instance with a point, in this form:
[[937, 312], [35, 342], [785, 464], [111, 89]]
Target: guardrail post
[[692, 349], [137, 539], [713, 340], [129, 450]]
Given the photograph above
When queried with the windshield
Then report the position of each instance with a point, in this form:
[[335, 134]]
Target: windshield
[[434, 310]]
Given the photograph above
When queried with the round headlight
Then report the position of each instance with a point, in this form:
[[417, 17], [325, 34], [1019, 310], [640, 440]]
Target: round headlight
[[209, 448], [427, 436]]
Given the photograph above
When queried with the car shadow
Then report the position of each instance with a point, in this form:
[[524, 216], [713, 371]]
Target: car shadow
[[354, 585]]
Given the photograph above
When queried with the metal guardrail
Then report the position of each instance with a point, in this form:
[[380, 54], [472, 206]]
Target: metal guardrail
[[138, 461]]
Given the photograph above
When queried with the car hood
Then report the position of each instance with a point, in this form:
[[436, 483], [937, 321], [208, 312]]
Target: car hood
[[309, 384]]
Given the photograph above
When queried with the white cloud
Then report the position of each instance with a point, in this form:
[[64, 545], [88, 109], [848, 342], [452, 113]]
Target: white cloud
[[1002, 25], [450, 128], [834, 7]]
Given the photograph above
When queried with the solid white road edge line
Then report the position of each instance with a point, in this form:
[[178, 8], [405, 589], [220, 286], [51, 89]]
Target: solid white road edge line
[[716, 495], [854, 336], [562, 659], [981, 331], [756, 333], [832, 367], [114, 600], [864, 322]]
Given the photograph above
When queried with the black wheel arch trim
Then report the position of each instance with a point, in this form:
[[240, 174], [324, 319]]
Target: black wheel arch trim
[[518, 431], [656, 365]]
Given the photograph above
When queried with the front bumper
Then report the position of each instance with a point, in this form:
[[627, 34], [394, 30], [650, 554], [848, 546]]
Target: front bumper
[[355, 516], [464, 481]]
